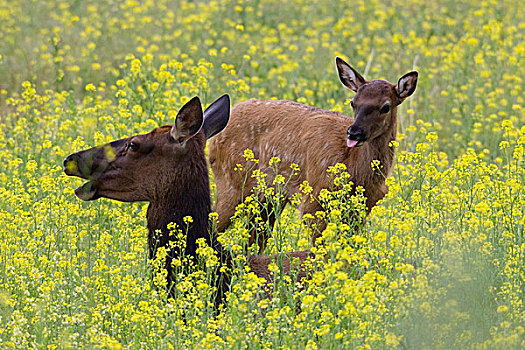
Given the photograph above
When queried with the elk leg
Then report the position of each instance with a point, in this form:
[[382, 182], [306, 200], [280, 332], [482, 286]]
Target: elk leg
[[227, 201], [268, 214], [311, 207], [261, 236]]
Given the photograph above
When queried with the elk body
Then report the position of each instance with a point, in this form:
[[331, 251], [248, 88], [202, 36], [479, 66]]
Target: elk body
[[313, 138], [166, 167]]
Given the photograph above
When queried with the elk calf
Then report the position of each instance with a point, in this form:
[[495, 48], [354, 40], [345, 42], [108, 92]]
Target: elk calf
[[313, 138], [166, 167]]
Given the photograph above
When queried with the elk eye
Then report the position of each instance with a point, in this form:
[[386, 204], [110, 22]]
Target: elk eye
[[352, 103], [133, 146], [385, 109]]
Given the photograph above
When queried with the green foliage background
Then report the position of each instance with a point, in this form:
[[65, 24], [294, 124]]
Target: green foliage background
[[440, 261]]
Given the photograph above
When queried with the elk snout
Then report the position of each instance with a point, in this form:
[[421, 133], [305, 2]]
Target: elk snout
[[75, 165], [356, 136], [84, 165], [71, 165], [90, 163]]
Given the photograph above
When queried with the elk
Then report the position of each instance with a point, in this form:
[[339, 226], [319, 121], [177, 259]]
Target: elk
[[167, 168], [314, 139]]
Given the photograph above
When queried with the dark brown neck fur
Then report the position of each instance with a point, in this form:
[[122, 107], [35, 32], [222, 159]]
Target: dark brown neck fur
[[373, 180], [382, 150], [188, 194]]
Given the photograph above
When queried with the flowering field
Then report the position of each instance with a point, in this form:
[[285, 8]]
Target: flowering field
[[439, 263]]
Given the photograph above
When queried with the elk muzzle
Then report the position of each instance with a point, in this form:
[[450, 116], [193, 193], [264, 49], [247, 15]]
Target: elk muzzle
[[90, 165], [355, 136]]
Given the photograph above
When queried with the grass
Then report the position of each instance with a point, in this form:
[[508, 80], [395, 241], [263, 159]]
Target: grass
[[439, 263]]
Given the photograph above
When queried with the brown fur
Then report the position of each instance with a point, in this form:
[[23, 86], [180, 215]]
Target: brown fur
[[313, 138], [291, 132], [259, 264], [173, 177]]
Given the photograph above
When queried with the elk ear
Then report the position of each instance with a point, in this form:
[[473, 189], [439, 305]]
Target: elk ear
[[188, 121], [216, 116], [406, 85], [348, 75]]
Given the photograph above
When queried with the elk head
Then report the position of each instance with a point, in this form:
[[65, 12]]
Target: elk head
[[374, 104], [138, 167]]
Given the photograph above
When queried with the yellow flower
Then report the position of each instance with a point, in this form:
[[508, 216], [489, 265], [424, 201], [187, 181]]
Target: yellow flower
[[90, 87]]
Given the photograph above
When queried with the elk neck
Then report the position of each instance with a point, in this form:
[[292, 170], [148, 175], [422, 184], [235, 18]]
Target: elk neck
[[186, 192], [380, 149]]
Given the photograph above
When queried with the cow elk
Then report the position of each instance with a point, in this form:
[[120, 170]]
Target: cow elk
[[166, 167], [314, 139]]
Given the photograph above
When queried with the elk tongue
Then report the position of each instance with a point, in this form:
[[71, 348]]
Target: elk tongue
[[87, 191], [351, 143]]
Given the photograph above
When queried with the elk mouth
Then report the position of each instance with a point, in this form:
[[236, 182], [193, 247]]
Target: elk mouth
[[87, 192], [354, 143], [355, 136]]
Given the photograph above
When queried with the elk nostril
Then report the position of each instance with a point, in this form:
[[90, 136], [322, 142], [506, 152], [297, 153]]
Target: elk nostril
[[71, 164], [355, 134]]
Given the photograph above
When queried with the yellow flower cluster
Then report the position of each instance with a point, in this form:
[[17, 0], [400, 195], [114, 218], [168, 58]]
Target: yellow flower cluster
[[439, 263]]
